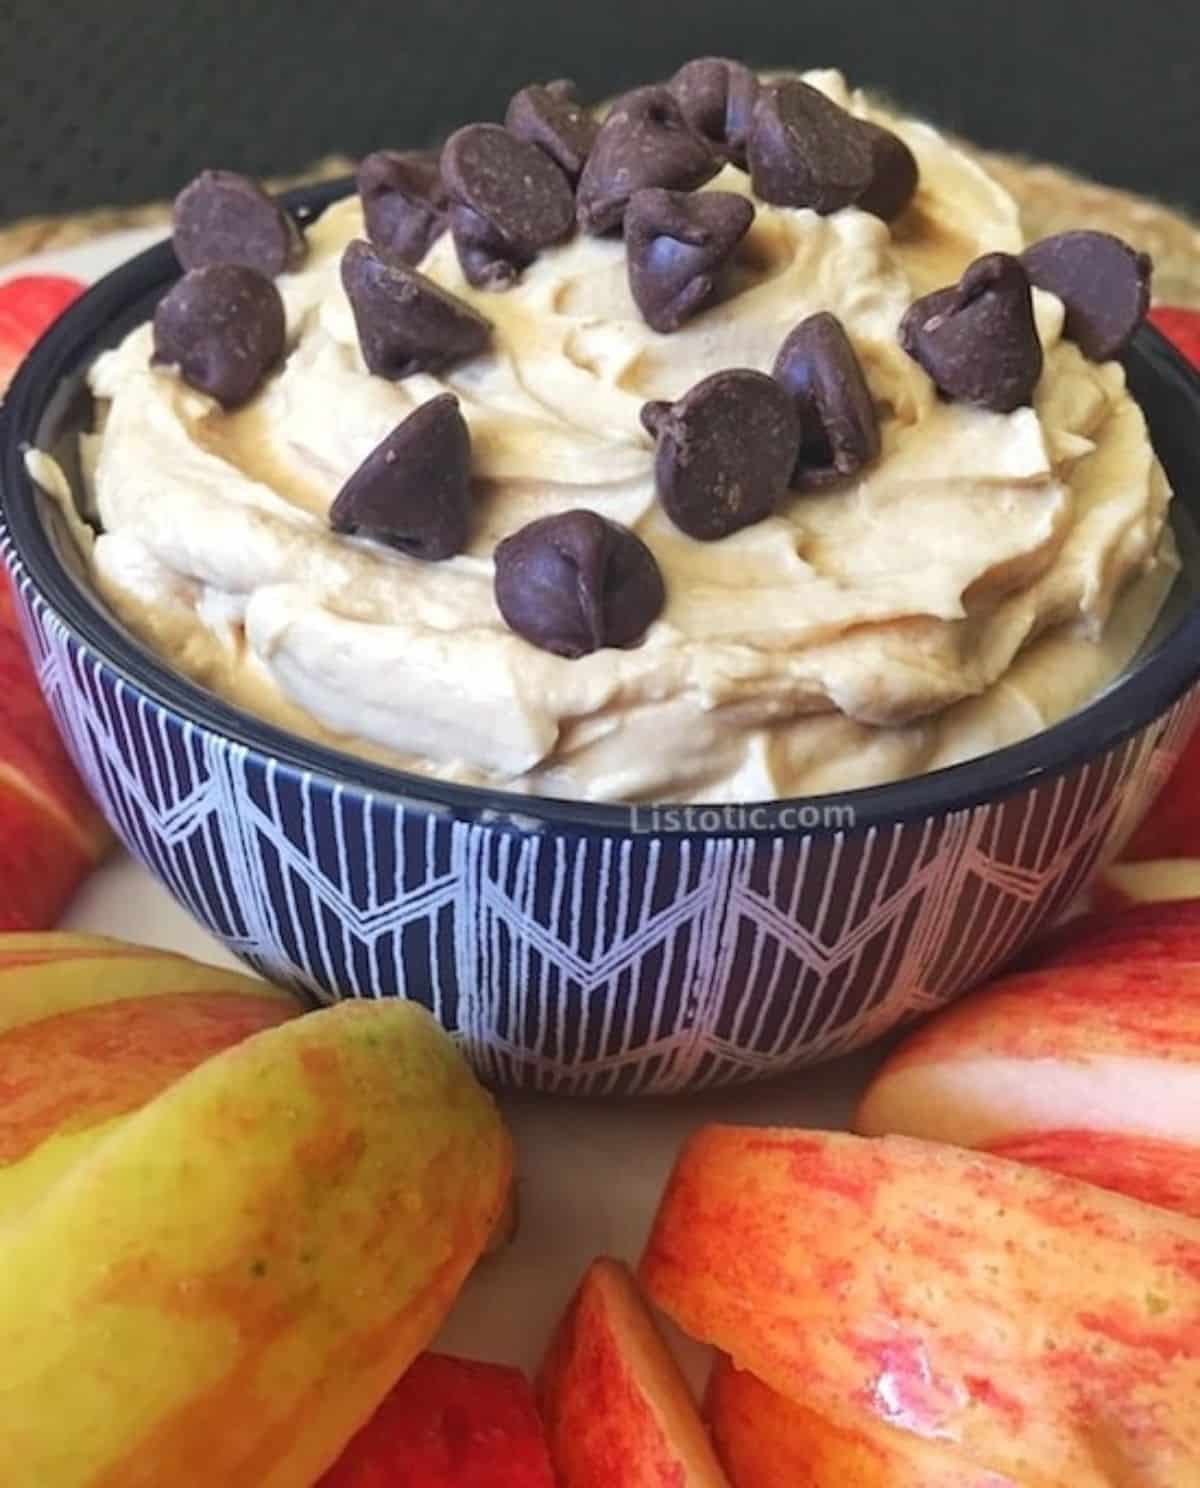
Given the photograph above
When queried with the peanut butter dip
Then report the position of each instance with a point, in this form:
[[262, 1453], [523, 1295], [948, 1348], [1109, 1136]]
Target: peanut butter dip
[[985, 576]]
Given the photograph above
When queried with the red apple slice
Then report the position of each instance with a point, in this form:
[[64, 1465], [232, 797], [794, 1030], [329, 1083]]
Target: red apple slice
[[1171, 827], [449, 1423], [766, 1441], [1151, 881], [618, 1411], [1047, 1330]]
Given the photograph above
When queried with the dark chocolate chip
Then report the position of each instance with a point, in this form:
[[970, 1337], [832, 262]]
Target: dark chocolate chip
[[404, 202], [406, 323], [486, 259], [552, 118], [676, 243], [726, 453], [644, 141], [1102, 281], [514, 189], [223, 326], [894, 173], [413, 491], [652, 415], [717, 98], [839, 425], [576, 582], [978, 339], [222, 217], [805, 151]]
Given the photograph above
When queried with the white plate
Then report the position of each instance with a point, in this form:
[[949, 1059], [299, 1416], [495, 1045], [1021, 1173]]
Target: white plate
[[590, 1174]]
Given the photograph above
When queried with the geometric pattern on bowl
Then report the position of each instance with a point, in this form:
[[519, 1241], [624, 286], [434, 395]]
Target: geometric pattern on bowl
[[590, 964]]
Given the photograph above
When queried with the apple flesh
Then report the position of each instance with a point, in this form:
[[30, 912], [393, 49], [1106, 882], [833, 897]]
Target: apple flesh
[[450, 1423], [51, 834], [225, 1287], [1046, 1330], [766, 1441], [617, 1409], [1123, 884]]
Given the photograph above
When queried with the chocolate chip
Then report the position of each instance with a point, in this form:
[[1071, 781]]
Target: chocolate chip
[[652, 415], [805, 151], [675, 244], [518, 199], [223, 326], [413, 491], [404, 202], [1102, 281], [552, 118], [717, 98], [573, 583], [839, 426], [726, 452], [644, 141], [894, 173], [977, 339], [406, 323], [222, 217]]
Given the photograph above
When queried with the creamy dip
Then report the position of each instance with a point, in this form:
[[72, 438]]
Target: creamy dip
[[962, 594]]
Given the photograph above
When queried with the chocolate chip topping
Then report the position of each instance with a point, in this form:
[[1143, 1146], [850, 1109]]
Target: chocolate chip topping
[[977, 339], [726, 452], [644, 141], [839, 426], [576, 582], [223, 326], [222, 217], [895, 173], [807, 151], [406, 323], [404, 202], [717, 98], [676, 244], [413, 491], [518, 202], [552, 118], [1102, 281]]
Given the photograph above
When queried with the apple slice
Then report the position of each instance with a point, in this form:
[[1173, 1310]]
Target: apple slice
[[1171, 827], [618, 1411], [51, 835], [1046, 1329], [1089, 1067], [1167, 930], [90, 1030], [766, 1441], [1154, 879], [224, 1289], [450, 1423]]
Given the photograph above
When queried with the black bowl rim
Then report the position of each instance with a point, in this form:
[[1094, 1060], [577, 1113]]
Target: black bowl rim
[[1127, 706]]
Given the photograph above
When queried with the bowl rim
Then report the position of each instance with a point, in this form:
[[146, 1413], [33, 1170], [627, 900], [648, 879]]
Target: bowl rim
[[1128, 705]]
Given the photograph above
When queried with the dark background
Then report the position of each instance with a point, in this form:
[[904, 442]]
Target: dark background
[[121, 102]]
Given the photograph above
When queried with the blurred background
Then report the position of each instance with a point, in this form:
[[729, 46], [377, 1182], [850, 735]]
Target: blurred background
[[120, 103]]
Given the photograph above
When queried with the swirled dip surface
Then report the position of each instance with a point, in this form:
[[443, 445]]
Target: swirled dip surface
[[960, 595]]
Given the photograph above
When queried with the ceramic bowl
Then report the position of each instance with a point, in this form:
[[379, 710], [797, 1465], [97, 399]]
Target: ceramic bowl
[[573, 947]]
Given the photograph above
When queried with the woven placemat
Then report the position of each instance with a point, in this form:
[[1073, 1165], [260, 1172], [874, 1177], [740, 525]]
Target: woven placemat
[[1050, 200]]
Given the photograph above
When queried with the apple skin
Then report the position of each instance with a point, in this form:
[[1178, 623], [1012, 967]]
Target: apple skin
[[1089, 1065], [618, 1411], [224, 1288], [1045, 1329], [1171, 827], [51, 834], [90, 1031], [766, 1441], [450, 1423], [1150, 881]]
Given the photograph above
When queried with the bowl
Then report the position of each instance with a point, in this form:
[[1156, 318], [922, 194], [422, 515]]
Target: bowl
[[570, 947]]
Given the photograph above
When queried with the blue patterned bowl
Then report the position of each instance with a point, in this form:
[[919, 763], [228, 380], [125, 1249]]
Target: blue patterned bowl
[[574, 947]]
